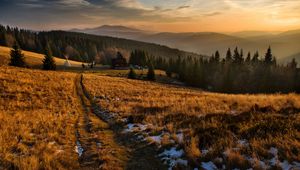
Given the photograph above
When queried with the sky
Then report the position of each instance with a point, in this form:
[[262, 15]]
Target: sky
[[154, 15]]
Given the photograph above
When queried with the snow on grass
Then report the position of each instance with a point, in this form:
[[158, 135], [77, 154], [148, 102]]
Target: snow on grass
[[179, 137], [78, 148], [208, 166], [135, 127], [243, 142], [273, 151], [285, 165], [204, 151], [156, 139], [172, 157]]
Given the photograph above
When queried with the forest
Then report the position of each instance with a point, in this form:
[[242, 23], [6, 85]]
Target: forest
[[232, 73], [79, 46]]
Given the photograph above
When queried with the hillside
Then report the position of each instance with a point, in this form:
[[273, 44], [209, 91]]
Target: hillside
[[206, 43], [33, 59], [38, 111], [193, 128], [114, 31], [83, 47], [99, 121]]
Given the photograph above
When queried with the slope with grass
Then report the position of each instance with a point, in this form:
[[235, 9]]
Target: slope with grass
[[38, 111], [192, 128], [33, 59]]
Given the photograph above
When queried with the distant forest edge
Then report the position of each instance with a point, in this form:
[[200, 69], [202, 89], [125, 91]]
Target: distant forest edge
[[234, 73], [82, 47]]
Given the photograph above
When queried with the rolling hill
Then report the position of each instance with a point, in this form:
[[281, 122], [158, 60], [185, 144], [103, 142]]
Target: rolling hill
[[283, 44], [114, 31], [83, 47]]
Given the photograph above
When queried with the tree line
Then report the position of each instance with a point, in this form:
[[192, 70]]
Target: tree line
[[79, 46], [233, 73]]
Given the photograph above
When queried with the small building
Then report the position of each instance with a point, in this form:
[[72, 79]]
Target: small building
[[119, 62]]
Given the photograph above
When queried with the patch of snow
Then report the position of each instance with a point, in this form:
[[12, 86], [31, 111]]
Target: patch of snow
[[204, 151], [226, 153], [208, 166], [243, 142], [273, 161], [156, 139], [296, 164], [180, 137], [172, 153], [173, 157], [285, 165], [273, 151], [135, 127], [78, 148]]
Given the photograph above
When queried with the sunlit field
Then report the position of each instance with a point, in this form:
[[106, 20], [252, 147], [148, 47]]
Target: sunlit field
[[203, 128], [33, 59], [38, 113]]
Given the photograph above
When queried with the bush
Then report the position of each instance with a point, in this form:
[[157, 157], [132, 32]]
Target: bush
[[17, 58], [151, 73], [48, 62], [131, 74]]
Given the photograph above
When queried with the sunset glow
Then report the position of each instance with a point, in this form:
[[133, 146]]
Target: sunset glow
[[154, 15]]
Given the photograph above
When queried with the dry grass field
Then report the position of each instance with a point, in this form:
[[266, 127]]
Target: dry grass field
[[208, 130], [32, 59], [38, 111]]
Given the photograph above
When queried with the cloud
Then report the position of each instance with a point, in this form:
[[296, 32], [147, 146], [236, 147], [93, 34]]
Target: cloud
[[183, 7], [49, 14], [212, 14]]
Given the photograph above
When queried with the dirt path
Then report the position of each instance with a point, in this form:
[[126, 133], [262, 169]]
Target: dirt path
[[95, 140], [103, 144]]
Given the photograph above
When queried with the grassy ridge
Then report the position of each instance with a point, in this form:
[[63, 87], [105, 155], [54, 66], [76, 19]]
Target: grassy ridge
[[33, 59]]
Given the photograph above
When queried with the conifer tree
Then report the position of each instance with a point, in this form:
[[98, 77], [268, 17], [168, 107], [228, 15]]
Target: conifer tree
[[48, 62], [228, 55], [248, 59], [217, 56], [255, 58], [151, 73], [131, 74], [269, 57], [17, 58]]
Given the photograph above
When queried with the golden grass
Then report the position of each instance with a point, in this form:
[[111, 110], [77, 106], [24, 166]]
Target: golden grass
[[211, 121], [144, 96], [38, 111], [32, 59]]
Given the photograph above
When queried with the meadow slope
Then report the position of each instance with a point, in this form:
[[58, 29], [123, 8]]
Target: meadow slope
[[32, 59], [38, 111], [206, 129]]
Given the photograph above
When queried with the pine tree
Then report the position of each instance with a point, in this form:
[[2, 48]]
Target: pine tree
[[255, 58], [151, 73], [269, 57], [48, 62], [17, 58], [228, 55], [248, 59], [131, 74], [293, 64], [217, 56]]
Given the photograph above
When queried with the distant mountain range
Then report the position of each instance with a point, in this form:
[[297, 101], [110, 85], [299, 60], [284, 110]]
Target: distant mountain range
[[284, 45]]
